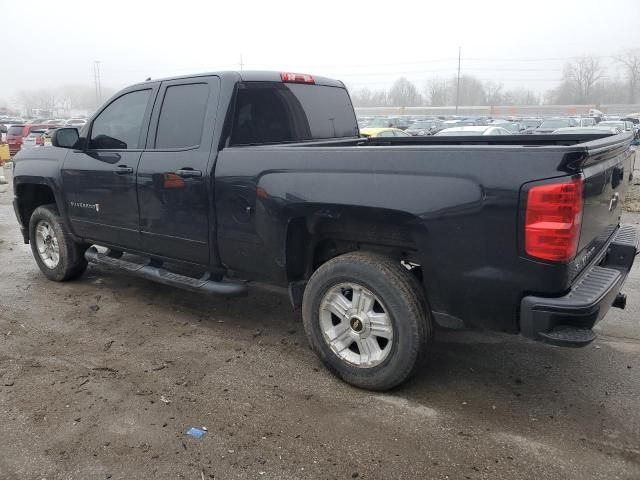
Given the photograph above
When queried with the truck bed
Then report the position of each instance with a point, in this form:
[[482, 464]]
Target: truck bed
[[453, 204]]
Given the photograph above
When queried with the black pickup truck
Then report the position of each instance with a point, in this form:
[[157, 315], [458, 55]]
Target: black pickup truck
[[209, 181]]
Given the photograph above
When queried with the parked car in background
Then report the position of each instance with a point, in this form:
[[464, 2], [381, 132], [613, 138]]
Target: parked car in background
[[582, 130], [383, 132], [16, 134], [56, 122], [75, 122], [552, 124], [34, 139], [380, 122], [514, 127], [46, 138], [584, 121], [452, 123], [479, 121], [473, 130], [621, 124], [389, 122], [14, 138], [35, 121], [425, 127], [402, 123], [530, 122]]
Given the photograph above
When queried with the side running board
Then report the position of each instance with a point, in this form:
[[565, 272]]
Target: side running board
[[160, 275]]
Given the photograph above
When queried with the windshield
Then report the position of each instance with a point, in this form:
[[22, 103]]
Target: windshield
[[15, 130], [555, 123]]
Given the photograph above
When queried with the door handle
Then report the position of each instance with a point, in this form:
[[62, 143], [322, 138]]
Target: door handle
[[188, 172], [124, 170]]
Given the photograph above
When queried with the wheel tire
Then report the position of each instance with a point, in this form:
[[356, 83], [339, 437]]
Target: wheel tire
[[400, 295], [71, 262]]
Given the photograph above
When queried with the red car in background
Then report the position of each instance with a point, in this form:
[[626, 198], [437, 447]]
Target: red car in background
[[16, 133]]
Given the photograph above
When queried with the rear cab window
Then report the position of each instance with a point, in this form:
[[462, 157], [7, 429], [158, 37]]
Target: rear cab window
[[277, 112]]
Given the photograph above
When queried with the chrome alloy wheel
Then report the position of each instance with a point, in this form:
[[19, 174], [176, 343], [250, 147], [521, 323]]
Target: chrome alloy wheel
[[355, 324], [47, 244]]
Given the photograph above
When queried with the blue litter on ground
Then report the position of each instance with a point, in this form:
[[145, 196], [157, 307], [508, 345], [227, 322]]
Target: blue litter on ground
[[196, 432]]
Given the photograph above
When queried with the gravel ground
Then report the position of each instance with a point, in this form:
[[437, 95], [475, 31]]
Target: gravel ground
[[100, 378]]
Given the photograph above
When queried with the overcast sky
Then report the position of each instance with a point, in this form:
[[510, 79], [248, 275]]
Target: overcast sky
[[517, 42]]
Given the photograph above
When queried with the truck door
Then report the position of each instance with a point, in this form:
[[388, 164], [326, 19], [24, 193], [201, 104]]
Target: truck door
[[100, 179], [173, 179]]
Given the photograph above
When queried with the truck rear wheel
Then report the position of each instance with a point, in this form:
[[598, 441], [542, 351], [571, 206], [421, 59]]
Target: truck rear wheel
[[57, 255], [366, 318]]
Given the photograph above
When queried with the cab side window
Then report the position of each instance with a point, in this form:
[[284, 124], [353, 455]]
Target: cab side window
[[119, 125]]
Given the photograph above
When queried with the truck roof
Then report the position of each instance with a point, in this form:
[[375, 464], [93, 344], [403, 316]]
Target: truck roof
[[250, 76]]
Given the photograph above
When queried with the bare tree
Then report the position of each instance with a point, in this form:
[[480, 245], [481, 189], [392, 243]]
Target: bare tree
[[365, 97], [437, 92], [43, 99], [471, 90], [493, 93], [361, 97], [403, 93], [630, 60], [583, 74], [520, 96]]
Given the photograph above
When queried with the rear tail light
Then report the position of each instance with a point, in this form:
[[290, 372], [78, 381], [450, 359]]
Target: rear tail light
[[297, 78], [553, 218], [38, 140]]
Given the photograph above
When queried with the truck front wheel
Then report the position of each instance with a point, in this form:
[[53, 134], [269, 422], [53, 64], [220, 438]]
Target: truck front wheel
[[367, 319], [57, 255]]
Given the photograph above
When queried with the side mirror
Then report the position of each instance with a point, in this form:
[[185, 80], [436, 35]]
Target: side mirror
[[64, 137]]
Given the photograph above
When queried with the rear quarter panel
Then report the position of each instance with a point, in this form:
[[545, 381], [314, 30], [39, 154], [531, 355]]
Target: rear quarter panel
[[457, 206]]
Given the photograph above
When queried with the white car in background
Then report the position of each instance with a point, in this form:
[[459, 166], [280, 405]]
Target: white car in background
[[473, 130], [35, 138], [76, 122]]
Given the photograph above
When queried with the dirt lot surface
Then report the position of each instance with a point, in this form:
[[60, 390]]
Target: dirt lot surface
[[100, 378]]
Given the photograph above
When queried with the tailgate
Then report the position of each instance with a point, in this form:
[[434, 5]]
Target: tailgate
[[607, 174]]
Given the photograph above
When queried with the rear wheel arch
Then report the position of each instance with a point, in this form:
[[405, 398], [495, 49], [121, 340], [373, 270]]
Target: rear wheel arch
[[400, 297], [315, 239], [310, 243]]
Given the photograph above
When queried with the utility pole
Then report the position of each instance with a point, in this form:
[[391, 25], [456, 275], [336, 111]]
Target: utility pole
[[241, 64], [96, 80], [458, 85]]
